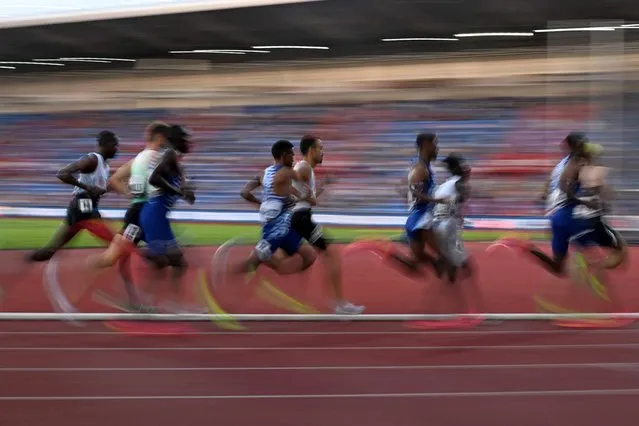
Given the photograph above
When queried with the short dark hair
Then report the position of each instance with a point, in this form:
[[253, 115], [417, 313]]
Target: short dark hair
[[307, 142], [574, 138], [280, 147], [178, 137], [454, 163], [424, 138], [106, 137]]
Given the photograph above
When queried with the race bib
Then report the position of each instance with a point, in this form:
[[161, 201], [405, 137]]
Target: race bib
[[85, 205], [132, 232], [137, 185]]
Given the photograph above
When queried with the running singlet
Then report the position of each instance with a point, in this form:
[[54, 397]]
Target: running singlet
[[448, 190], [302, 188], [556, 197], [590, 178], [157, 195], [274, 209], [428, 185], [98, 178], [140, 172]]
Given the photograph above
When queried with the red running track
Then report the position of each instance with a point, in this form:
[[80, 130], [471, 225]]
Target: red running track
[[279, 374], [507, 284], [318, 374]]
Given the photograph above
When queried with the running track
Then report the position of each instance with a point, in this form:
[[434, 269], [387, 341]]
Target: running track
[[331, 373]]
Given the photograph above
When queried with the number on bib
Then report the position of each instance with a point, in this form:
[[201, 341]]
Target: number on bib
[[137, 185], [132, 232], [263, 250], [85, 205]]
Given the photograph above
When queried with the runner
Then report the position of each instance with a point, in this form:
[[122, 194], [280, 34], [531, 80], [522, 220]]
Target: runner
[[131, 180], [448, 225], [92, 172], [167, 184], [593, 228], [302, 221], [275, 213], [561, 202], [419, 225]]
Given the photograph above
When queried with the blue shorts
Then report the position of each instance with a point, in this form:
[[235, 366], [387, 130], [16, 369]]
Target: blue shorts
[[155, 225], [277, 234], [418, 219], [596, 232], [563, 227]]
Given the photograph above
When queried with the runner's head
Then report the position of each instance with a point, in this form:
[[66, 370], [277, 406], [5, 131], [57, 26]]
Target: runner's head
[[179, 139], [575, 142], [156, 134], [427, 148], [457, 165], [312, 149], [108, 144], [283, 152]]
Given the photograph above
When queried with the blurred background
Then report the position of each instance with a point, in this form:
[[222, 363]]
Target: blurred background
[[501, 82]]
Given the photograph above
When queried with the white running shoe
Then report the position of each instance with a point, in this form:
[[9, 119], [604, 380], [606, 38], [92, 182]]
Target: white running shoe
[[347, 308]]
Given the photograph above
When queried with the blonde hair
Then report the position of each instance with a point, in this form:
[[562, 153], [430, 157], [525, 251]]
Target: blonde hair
[[150, 127]]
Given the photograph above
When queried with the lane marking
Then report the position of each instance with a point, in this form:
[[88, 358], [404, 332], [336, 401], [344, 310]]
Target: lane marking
[[622, 366], [319, 348], [334, 333], [480, 394]]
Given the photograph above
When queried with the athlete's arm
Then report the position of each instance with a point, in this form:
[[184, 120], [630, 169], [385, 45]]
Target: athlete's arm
[[86, 164], [160, 177], [544, 191], [282, 184], [252, 185], [463, 189], [416, 185], [118, 182]]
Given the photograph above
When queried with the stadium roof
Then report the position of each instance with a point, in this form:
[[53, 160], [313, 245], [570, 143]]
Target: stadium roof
[[345, 27]]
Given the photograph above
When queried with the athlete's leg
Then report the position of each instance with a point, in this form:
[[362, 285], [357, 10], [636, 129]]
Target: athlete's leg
[[99, 228], [563, 227], [62, 236]]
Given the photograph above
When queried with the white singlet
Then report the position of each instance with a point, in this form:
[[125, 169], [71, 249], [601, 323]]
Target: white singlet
[[98, 178], [140, 172], [556, 198], [591, 179], [448, 223], [449, 191], [302, 188]]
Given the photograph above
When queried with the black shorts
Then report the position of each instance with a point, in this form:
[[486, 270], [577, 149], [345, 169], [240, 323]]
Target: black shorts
[[132, 230], [82, 207], [302, 223], [599, 233]]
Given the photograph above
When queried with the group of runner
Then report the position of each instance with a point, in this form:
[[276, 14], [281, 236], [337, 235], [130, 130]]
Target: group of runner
[[577, 197]]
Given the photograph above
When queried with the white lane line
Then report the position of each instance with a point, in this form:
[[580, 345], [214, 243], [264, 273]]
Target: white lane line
[[622, 366], [487, 394], [318, 348], [335, 333]]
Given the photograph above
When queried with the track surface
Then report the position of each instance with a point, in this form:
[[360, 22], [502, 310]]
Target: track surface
[[325, 373], [319, 374]]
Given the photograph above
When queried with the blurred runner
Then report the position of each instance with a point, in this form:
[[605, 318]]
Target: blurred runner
[[92, 171], [419, 225], [131, 181], [167, 183], [302, 221], [594, 230], [278, 193]]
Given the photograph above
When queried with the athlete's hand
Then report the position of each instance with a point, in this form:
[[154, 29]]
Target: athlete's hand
[[95, 191], [188, 196]]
